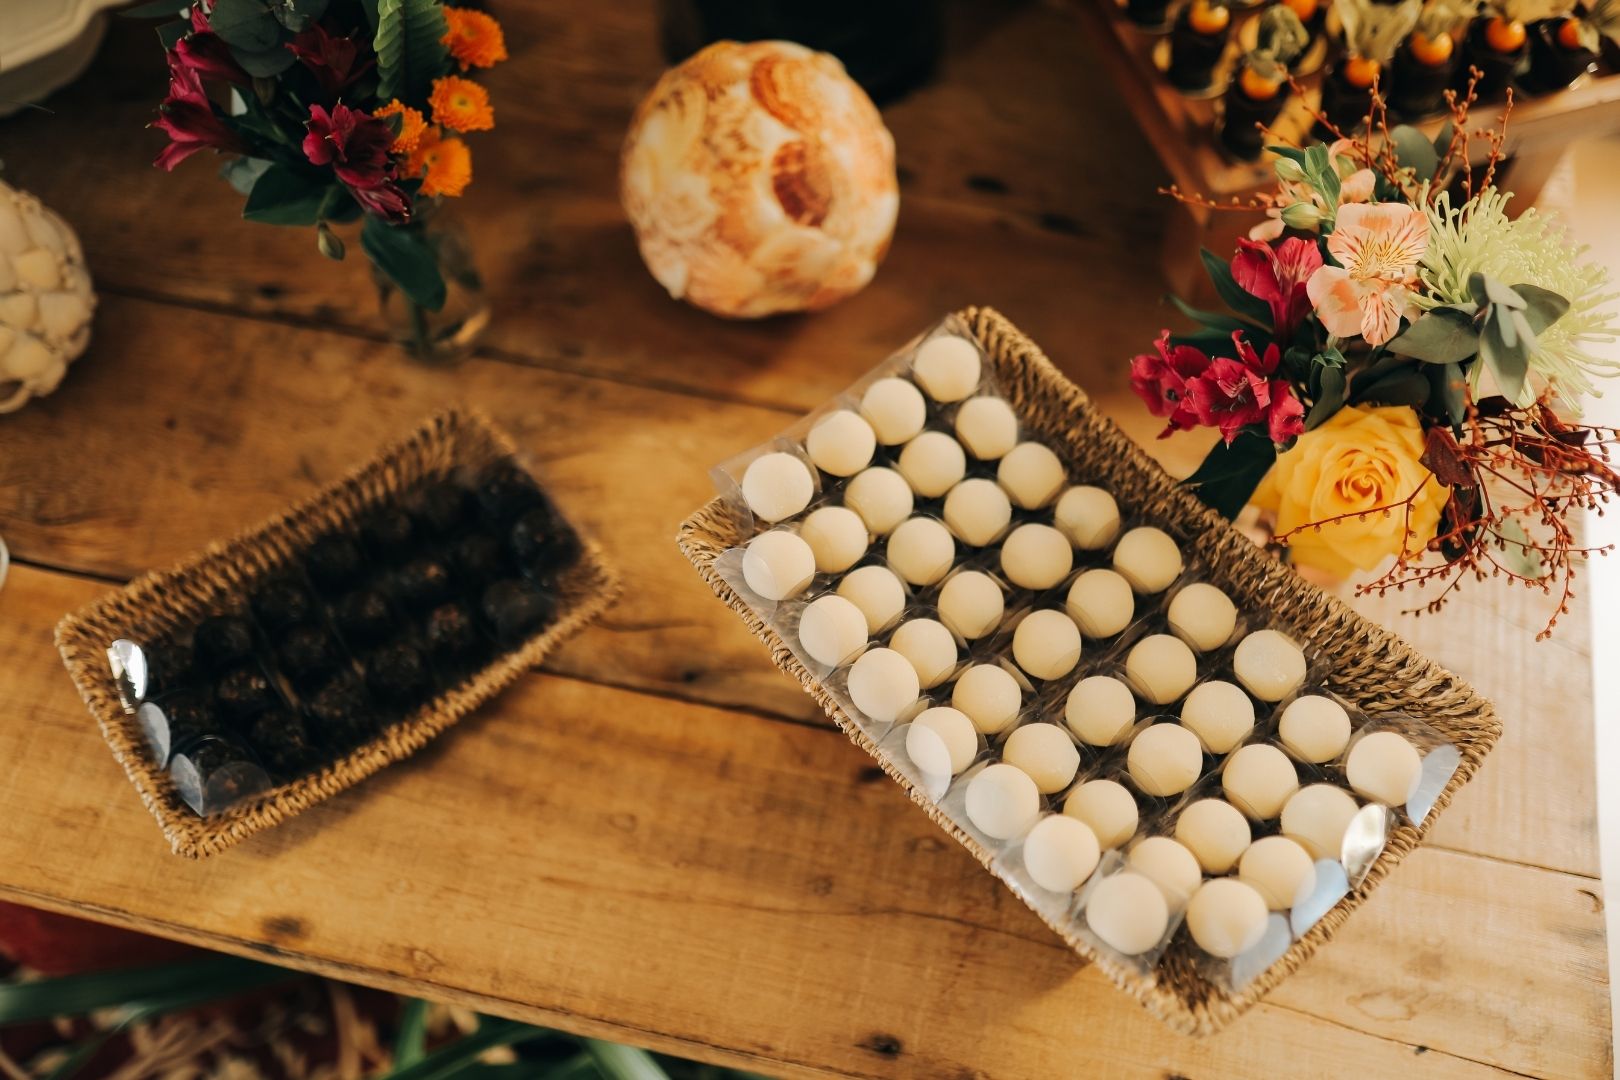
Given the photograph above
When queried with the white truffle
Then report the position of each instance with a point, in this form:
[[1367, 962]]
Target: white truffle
[[841, 443], [883, 685], [877, 592], [778, 564], [777, 485], [1046, 753], [837, 536], [930, 648], [1101, 603], [1088, 516], [1226, 917], [1002, 802], [881, 496], [932, 463], [831, 630], [1384, 767], [971, 603], [1281, 871], [1128, 913], [1219, 713], [1164, 759], [1161, 668], [1036, 557], [895, 409], [1202, 616], [1060, 853], [1258, 779], [1216, 832], [1317, 817], [1148, 559], [977, 511], [1100, 710], [987, 427], [1169, 865], [1032, 475], [921, 551], [989, 696], [1315, 728], [942, 741], [948, 367], [1107, 807], [1046, 644], [1269, 664]]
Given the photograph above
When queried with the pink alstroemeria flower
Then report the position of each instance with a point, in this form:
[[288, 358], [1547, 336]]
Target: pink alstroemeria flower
[[1378, 247], [1278, 275], [188, 118], [1357, 187], [1160, 379]]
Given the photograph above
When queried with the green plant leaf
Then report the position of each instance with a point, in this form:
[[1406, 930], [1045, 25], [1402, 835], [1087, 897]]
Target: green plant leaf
[[370, 8], [619, 1062], [410, 49], [156, 9], [245, 24], [1214, 320], [75, 995], [405, 257], [1414, 151], [264, 63], [1448, 384], [1506, 354], [1330, 397], [1443, 336], [1408, 386], [449, 1061], [1213, 342], [170, 33], [297, 15], [1229, 475], [1487, 291], [1292, 153], [1518, 553], [410, 1043], [1251, 308], [283, 196], [243, 172], [1442, 138], [1542, 307]]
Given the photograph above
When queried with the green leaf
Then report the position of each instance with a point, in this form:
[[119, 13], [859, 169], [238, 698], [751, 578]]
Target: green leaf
[[449, 1061], [75, 995], [1330, 357], [170, 33], [404, 256], [156, 9], [1542, 307], [1408, 386], [283, 196], [619, 1062], [245, 24], [410, 1044], [1229, 475], [243, 172], [1490, 291], [1507, 360], [1213, 342], [1414, 151], [1292, 153], [1442, 138], [1518, 553], [1250, 307], [370, 8], [1447, 385], [1329, 399], [1443, 336], [264, 63], [297, 15], [1214, 320], [410, 49]]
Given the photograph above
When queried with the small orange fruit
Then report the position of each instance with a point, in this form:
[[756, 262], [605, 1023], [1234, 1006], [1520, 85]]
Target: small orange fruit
[[1208, 19], [1569, 35], [1361, 71], [1305, 9], [1504, 35], [1257, 87], [1430, 51]]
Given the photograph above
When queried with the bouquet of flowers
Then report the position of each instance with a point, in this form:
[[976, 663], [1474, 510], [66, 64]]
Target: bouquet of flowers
[[334, 110], [1397, 380]]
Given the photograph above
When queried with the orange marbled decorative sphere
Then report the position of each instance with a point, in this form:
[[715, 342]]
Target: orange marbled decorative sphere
[[760, 179]]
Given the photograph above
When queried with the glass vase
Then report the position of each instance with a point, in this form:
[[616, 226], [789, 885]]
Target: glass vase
[[453, 331]]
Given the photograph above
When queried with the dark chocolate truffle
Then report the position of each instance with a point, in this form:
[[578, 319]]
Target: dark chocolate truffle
[[505, 491], [177, 722], [450, 632], [514, 608], [334, 563], [215, 774], [342, 710], [282, 742], [442, 508], [308, 653], [397, 674], [477, 559], [364, 618], [281, 604], [169, 666], [542, 541], [389, 533], [223, 640], [245, 692], [422, 583]]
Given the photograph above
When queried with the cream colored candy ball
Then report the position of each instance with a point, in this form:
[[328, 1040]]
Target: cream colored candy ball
[[1046, 753], [1148, 559], [877, 592], [1101, 603], [1219, 713], [1060, 853], [1384, 767], [1216, 832], [1226, 917], [1169, 865], [948, 367], [1002, 801], [777, 485], [1281, 871], [837, 536], [942, 741], [841, 443], [971, 603], [1314, 727], [1270, 664], [977, 511], [881, 496], [778, 564], [1088, 516], [930, 648], [1258, 779], [1161, 668], [989, 696], [1036, 557], [932, 463], [1202, 616], [1107, 807], [1318, 817], [1127, 911], [895, 409], [1046, 644], [987, 426], [831, 630], [882, 684], [1164, 759], [921, 551], [1032, 475], [1100, 710]]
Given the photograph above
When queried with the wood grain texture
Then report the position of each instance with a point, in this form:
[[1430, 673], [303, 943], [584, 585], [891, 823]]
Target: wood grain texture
[[613, 832]]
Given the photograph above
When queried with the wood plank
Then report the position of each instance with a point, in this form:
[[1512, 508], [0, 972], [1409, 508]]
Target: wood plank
[[673, 875]]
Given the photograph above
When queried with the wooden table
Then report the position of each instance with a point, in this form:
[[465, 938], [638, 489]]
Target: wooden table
[[654, 840]]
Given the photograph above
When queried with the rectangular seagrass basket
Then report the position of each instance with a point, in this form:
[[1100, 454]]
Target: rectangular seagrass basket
[[1371, 667], [165, 601]]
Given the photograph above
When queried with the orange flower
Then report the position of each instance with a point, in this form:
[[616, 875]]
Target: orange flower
[[461, 104], [410, 129], [445, 165], [474, 38]]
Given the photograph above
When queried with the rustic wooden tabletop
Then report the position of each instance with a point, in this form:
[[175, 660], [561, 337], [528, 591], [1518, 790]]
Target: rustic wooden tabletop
[[654, 840]]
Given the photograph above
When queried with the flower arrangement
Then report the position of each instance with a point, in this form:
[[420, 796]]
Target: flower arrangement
[[1396, 380], [334, 111]]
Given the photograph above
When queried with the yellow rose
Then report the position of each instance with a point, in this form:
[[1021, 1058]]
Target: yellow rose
[[1361, 459]]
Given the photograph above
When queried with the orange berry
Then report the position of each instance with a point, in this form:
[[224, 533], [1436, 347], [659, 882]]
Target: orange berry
[[1361, 71], [1257, 86], [1305, 9], [1569, 35], [1208, 19], [1504, 35], [1431, 51]]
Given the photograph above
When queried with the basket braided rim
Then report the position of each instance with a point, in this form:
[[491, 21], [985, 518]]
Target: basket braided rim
[[225, 571], [1376, 670]]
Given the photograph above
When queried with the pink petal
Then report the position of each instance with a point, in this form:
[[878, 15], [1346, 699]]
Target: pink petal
[[1357, 187], [1337, 299], [1269, 229], [1381, 308]]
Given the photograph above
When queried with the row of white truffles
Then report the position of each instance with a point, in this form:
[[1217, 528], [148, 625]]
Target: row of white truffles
[[1130, 911]]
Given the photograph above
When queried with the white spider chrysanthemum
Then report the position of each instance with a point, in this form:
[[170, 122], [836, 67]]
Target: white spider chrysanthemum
[[1479, 237]]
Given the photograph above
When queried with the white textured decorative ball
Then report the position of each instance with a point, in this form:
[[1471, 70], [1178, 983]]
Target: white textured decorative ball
[[759, 179], [45, 299]]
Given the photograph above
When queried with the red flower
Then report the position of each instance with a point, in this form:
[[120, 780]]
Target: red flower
[[188, 118], [206, 53], [330, 59], [1278, 275], [1160, 380], [1284, 413], [356, 145]]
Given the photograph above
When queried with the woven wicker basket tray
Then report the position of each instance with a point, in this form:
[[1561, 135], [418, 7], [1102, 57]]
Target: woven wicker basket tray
[[1372, 668], [166, 601]]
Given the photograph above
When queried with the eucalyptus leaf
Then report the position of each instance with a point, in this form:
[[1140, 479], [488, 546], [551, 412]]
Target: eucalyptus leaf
[[1248, 306], [1330, 397], [243, 172], [1442, 138], [1448, 385], [171, 33], [1414, 151], [1408, 386], [1330, 357], [1508, 362], [1229, 474], [245, 24], [283, 196], [1214, 320], [1542, 307], [1490, 291], [264, 63], [1443, 336], [404, 255], [297, 15]]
